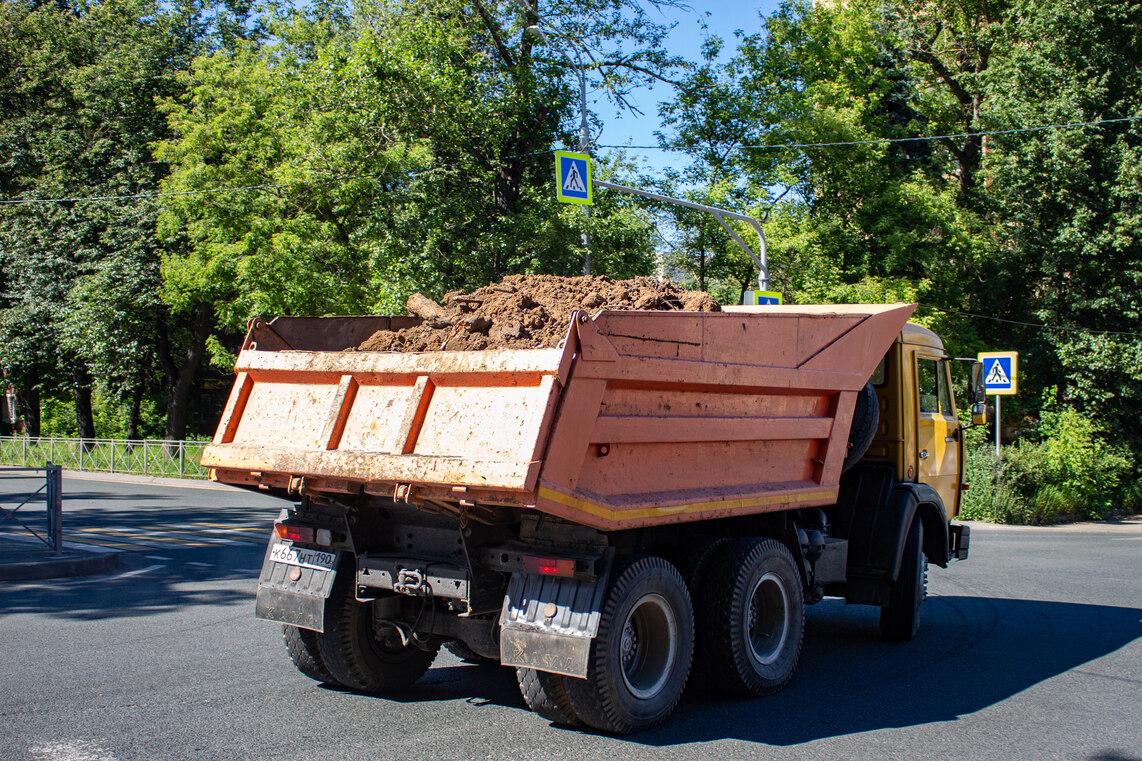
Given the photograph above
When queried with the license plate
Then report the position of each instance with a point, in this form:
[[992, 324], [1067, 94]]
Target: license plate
[[283, 552]]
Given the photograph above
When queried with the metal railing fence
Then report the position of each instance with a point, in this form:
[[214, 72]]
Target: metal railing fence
[[52, 492], [151, 457]]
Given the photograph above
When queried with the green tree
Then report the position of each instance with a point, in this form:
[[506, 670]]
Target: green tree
[[405, 148], [76, 120], [1070, 200]]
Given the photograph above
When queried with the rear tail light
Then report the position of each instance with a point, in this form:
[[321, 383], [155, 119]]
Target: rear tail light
[[549, 566], [294, 532]]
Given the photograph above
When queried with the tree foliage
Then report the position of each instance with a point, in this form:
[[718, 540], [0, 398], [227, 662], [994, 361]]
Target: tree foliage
[[332, 158]]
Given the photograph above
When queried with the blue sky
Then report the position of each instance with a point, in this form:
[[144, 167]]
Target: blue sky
[[722, 17]]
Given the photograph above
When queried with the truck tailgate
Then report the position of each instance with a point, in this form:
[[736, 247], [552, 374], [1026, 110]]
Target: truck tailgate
[[445, 418]]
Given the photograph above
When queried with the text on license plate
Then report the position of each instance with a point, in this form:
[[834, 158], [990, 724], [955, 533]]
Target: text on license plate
[[299, 556]]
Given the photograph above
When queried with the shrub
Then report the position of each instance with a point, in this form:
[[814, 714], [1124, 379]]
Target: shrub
[[1072, 472]]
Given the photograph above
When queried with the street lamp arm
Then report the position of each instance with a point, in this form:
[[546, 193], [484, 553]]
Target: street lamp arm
[[761, 258]]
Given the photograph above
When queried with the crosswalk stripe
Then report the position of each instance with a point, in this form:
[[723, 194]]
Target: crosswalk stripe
[[260, 529], [146, 537], [201, 535]]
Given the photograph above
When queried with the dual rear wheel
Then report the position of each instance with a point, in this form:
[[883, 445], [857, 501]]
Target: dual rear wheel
[[750, 621], [352, 651]]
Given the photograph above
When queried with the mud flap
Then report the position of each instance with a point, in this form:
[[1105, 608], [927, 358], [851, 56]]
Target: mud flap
[[291, 594], [548, 623]]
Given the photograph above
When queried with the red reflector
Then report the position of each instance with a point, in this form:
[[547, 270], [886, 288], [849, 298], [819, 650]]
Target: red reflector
[[965, 487], [549, 566], [293, 533]]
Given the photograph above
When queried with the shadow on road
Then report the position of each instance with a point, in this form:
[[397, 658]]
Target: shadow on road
[[162, 576], [972, 653]]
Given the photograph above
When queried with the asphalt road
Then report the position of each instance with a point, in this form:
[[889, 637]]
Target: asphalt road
[[1032, 649]]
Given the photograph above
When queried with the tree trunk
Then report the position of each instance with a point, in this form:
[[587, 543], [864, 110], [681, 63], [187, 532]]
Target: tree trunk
[[180, 378], [136, 405], [30, 405], [84, 417]]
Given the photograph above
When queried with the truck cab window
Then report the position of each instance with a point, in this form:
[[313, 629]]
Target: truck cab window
[[880, 374], [932, 385], [928, 385]]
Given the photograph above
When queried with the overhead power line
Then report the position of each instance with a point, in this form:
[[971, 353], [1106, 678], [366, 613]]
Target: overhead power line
[[782, 146], [1039, 325], [886, 140]]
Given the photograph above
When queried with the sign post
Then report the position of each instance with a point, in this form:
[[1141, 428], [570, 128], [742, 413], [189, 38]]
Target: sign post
[[999, 378]]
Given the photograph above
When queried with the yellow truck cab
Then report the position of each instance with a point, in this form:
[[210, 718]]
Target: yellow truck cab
[[897, 502], [919, 433]]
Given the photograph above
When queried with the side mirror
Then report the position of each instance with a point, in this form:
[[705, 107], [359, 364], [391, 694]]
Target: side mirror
[[977, 395], [976, 391]]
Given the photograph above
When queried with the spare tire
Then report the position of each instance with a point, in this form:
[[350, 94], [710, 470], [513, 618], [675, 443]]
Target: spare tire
[[865, 417]]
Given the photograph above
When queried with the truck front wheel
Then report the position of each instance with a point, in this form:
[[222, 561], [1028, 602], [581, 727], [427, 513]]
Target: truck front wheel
[[359, 657], [900, 619], [754, 618], [640, 658]]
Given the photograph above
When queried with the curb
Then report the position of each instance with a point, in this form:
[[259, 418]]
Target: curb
[[77, 560], [53, 568]]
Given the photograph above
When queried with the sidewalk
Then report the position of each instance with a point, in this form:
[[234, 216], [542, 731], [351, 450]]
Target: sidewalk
[[24, 558]]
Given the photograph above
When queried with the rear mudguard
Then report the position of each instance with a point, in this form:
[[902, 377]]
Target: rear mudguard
[[294, 595]]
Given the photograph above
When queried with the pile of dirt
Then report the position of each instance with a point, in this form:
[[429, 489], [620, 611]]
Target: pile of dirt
[[527, 312]]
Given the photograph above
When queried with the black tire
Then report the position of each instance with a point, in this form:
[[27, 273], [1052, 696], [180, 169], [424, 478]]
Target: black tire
[[301, 644], [546, 694], [694, 563], [647, 614], [752, 618], [468, 655], [900, 618], [353, 653], [866, 415]]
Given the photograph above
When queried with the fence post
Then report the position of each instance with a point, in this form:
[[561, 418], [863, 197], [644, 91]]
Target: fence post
[[51, 448], [81, 448], [112, 455], [181, 458], [54, 497], [144, 457], [24, 451]]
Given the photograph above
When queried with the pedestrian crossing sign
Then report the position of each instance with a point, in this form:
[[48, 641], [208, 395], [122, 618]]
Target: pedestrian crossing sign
[[573, 177], [999, 368]]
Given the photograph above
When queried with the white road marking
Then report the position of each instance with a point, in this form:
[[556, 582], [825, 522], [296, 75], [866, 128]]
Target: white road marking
[[104, 579], [200, 565], [158, 557], [75, 750]]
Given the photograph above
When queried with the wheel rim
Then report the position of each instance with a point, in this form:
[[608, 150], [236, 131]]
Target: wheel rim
[[767, 620], [648, 645]]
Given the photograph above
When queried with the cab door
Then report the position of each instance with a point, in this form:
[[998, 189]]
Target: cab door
[[938, 436]]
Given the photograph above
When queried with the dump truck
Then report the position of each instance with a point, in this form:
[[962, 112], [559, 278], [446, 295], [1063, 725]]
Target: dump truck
[[651, 502]]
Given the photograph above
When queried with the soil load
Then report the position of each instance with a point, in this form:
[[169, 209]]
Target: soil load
[[527, 312]]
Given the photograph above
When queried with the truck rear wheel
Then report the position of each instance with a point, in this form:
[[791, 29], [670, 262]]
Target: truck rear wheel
[[753, 618], [301, 644], [900, 619], [546, 694], [357, 656], [640, 658]]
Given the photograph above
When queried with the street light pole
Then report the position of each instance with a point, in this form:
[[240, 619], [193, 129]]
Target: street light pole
[[584, 131]]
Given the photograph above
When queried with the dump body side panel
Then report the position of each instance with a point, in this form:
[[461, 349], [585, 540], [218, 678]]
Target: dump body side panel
[[678, 417]]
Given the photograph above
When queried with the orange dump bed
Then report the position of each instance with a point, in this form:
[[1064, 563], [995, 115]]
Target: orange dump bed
[[639, 418]]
